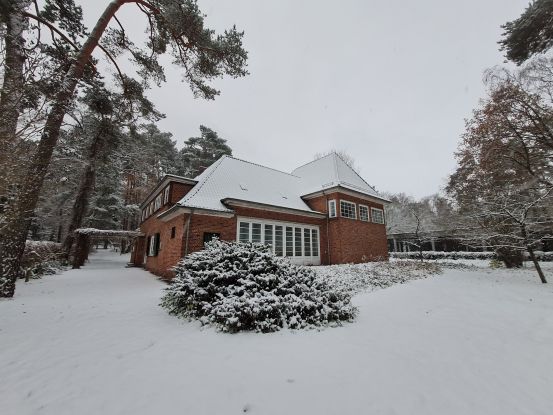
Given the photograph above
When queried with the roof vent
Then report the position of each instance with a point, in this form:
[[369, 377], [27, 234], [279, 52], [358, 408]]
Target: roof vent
[[243, 186]]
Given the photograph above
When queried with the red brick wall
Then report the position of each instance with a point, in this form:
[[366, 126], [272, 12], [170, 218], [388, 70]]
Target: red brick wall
[[352, 240], [344, 241], [177, 191]]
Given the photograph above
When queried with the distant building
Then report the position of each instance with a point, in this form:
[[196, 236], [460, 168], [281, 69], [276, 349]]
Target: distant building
[[321, 213]]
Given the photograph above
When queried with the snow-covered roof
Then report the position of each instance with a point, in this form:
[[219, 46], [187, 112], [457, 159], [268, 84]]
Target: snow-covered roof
[[331, 171], [231, 178]]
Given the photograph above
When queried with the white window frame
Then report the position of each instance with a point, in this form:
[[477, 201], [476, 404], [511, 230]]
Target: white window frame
[[354, 209], [306, 260], [166, 195], [331, 207], [367, 209], [152, 247], [378, 210]]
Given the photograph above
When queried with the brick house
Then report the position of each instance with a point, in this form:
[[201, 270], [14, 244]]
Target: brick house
[[321, 213]]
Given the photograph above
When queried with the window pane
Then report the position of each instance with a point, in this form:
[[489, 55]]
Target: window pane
[[297, 232], [347, 209], [363, 213], [377, 215], [315, 242], [268, 235], [244, 235], [278, 240], [289, 241], [307, 242], [256, 232]]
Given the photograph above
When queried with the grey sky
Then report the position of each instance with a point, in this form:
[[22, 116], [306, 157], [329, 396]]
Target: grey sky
[[390, 82]]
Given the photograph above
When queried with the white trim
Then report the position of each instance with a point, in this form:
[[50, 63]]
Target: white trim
[[368, 215], [344, 190], [354, 209], [372, 216], [332, 202]]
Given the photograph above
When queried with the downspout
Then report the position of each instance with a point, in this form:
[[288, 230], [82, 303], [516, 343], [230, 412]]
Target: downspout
[[327, 229], [188, 232]]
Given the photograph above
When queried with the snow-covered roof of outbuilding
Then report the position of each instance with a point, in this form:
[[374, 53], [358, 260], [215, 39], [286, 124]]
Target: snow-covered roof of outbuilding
[[232, 179]]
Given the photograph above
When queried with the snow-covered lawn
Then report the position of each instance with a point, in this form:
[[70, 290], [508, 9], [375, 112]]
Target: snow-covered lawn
[[95, 341]]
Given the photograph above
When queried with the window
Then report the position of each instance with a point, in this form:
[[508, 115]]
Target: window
[[295, 241], [209, 236], [347, 209], [268, 235], [331, 208], [166, 195], [244, 233], [377, 215], [278, 240], [364, 213], [297, 233], [173, 231], [307, 242], [157, 203], [289, 241], [256, 232], [314, 242], [153, 245]]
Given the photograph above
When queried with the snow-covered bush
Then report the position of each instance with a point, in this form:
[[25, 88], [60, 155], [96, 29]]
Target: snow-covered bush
[[489, 255], [356, 278], [444, 255], [41, 258], [243, 286]]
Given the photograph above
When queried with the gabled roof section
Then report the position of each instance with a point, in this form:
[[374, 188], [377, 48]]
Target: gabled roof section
[[168, 178], [232, 178], [332, 171]]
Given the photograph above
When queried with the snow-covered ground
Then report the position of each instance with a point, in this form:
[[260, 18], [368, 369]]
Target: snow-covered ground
[[94, 341]]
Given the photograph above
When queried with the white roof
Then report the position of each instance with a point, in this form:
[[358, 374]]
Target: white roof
[[331, 171], [231, 178]]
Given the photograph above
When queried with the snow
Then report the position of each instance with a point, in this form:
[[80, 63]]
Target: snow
[[95, 340], [232, 178]]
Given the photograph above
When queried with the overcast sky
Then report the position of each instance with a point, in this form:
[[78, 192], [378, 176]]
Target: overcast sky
[[390, 82]]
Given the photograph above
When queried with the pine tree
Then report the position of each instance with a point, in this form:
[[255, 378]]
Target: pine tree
[[174, 25], [200, 152]]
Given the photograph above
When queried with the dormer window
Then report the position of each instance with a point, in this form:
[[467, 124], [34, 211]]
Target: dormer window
[[166, 195]]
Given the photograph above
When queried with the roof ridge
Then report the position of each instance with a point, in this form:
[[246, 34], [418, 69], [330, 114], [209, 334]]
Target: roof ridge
[[313, 161], [358, 175], [201, 184], [265, 167]]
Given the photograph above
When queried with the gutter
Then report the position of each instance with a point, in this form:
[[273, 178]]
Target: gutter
[[274, 208]]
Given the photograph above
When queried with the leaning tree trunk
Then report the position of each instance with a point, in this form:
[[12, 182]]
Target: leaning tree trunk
[[83, 196], [18, 219], [10, 99], [536, 264]]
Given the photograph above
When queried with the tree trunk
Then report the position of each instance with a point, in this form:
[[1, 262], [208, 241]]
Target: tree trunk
[[12, 243], [10, 98], [83, 196], [536, 264]]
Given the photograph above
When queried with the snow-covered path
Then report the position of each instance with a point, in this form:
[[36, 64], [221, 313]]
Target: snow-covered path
[[95, 341]]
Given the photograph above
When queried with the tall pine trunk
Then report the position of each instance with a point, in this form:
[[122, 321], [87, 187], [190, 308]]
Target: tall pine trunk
[[83, 196], [10, 99], [12, 242]]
